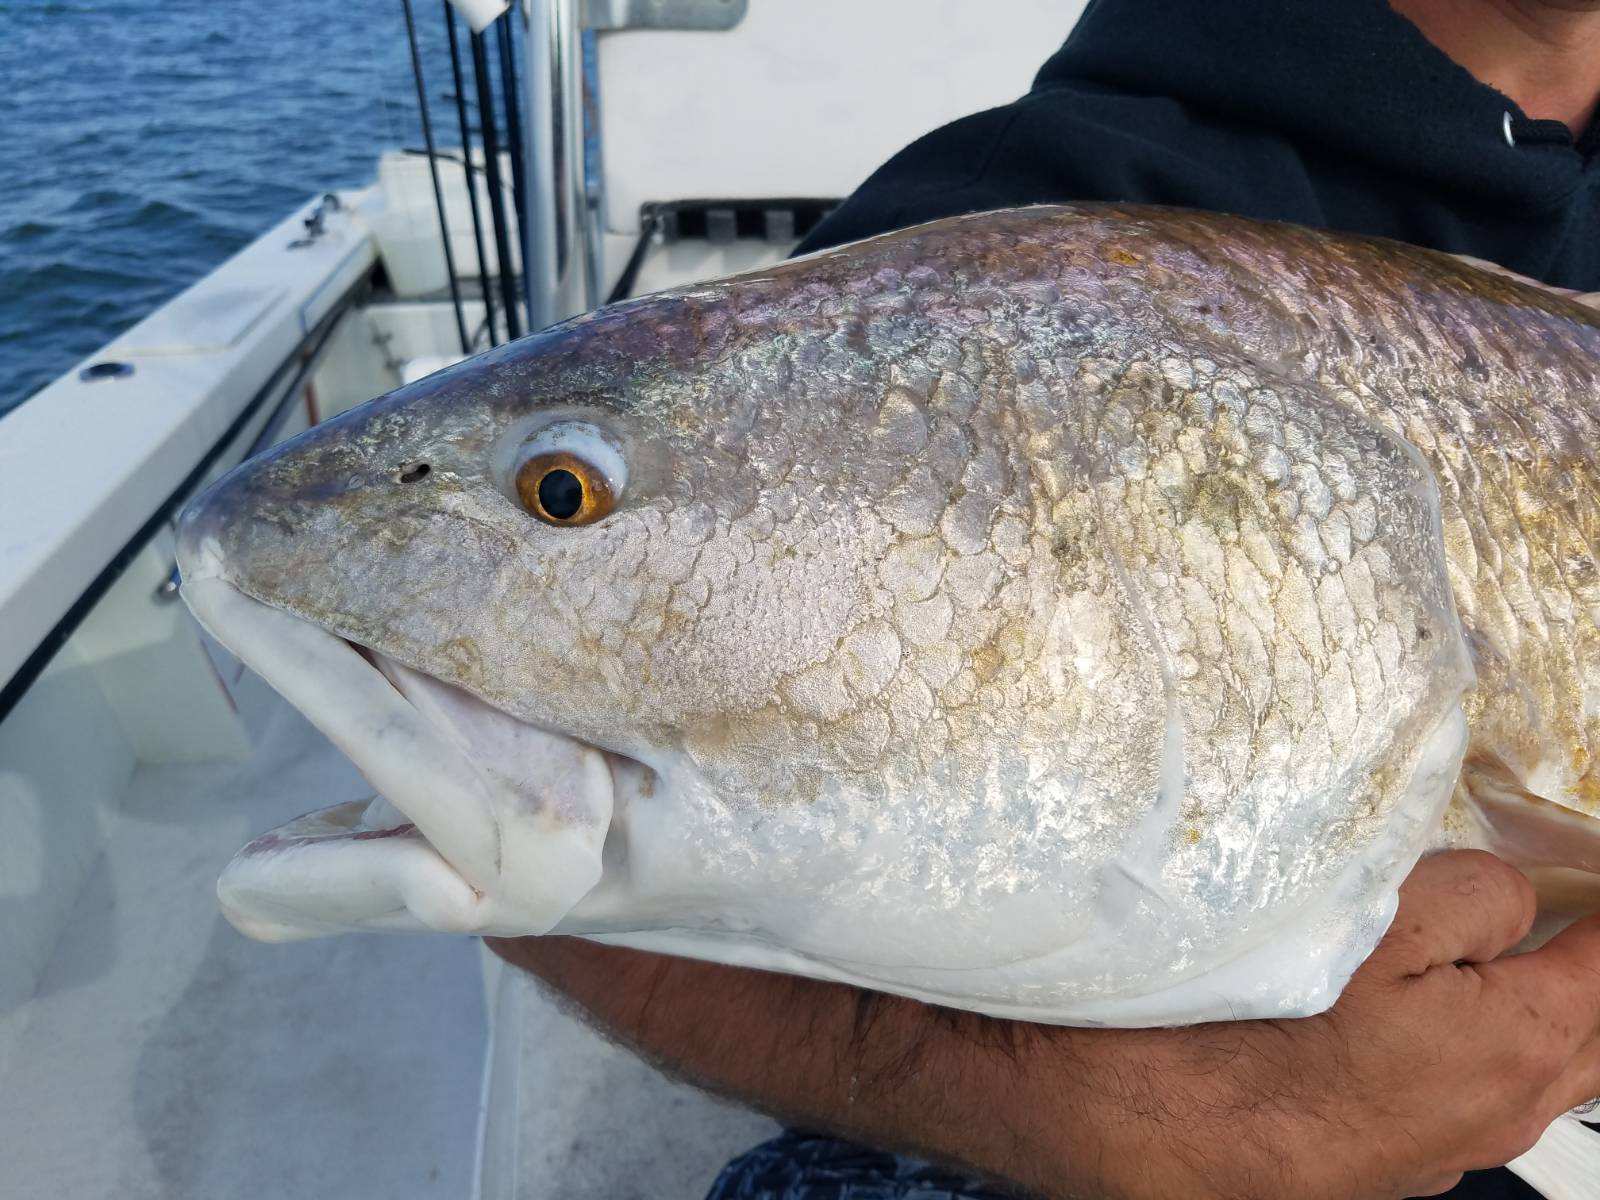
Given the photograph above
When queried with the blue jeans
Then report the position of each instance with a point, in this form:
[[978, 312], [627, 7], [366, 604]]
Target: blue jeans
[[808, 1166]]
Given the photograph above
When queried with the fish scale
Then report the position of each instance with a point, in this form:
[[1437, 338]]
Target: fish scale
[[1073, 613], [1456, 388]]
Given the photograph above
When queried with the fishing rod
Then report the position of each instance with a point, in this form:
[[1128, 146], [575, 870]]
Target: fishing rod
[[508, 91], [497, 204], [467, 169], [433, 170]]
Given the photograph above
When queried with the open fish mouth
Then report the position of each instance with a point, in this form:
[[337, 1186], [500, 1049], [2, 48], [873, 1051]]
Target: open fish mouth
[[483, 823]]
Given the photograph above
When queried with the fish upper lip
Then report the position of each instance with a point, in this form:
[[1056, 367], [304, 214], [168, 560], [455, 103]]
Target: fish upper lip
[[517, 814], [416, 767]]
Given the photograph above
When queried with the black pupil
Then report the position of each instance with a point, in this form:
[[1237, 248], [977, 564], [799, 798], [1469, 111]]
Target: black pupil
[[561, 494]]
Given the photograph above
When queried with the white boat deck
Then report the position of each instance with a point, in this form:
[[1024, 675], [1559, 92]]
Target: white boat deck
[[573, 1117], [164, 1055]]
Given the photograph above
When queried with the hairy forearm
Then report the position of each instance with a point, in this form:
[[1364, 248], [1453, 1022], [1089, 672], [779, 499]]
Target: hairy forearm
[[879, 1069], [1441, 1056]]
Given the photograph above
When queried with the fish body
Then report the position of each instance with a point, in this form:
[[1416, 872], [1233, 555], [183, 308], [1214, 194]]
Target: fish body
[[1084, 614]]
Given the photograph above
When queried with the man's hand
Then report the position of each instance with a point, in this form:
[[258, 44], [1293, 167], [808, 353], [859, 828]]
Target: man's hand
[[1440, 1057]]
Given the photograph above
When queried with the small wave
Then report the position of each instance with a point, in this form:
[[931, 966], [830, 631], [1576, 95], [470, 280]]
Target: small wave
[[179, 75], [63, 275], [161, 212], [100, 198], [26, 232]]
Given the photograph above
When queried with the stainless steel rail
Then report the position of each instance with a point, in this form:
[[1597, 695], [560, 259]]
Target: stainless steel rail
[[563, 271], [561, 274]]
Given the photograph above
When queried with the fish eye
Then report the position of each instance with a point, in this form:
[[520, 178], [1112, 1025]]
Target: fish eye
[[562, 489], [570, 475]]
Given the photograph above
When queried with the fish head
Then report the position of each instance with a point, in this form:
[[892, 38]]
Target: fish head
[[593, 559]]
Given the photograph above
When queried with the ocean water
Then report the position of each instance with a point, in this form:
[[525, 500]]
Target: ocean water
[[143, 141]]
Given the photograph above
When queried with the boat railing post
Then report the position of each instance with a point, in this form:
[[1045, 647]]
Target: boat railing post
[[558, 271]]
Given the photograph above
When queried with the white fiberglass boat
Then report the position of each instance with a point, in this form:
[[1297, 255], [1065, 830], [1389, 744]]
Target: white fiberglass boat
[[618, 146]]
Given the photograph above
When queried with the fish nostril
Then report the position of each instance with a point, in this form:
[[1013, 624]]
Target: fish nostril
[[413, 472]]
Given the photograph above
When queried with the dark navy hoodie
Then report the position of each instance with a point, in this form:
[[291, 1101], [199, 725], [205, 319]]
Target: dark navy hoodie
[[1334, 113]]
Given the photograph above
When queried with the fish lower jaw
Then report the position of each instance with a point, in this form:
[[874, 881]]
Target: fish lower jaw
[[330, 872], [482, 823]]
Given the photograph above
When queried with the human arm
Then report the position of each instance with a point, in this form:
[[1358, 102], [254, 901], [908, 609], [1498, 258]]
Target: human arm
[[1440, 1057]]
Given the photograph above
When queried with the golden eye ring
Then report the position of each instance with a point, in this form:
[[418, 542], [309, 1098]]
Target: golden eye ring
[[562, 489]]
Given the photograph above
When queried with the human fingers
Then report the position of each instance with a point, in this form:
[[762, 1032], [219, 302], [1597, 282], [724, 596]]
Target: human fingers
[[1461, 906], [1437, 1186], [1560, 984], [1560, 981], [1550, 1000]]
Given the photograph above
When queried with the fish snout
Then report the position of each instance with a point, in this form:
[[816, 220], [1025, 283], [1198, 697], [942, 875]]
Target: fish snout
[[219, 528], [214, 527], [292, 503], [198, 550]]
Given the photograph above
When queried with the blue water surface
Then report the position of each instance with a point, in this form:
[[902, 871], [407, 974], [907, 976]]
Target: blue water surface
[[143, 141]]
